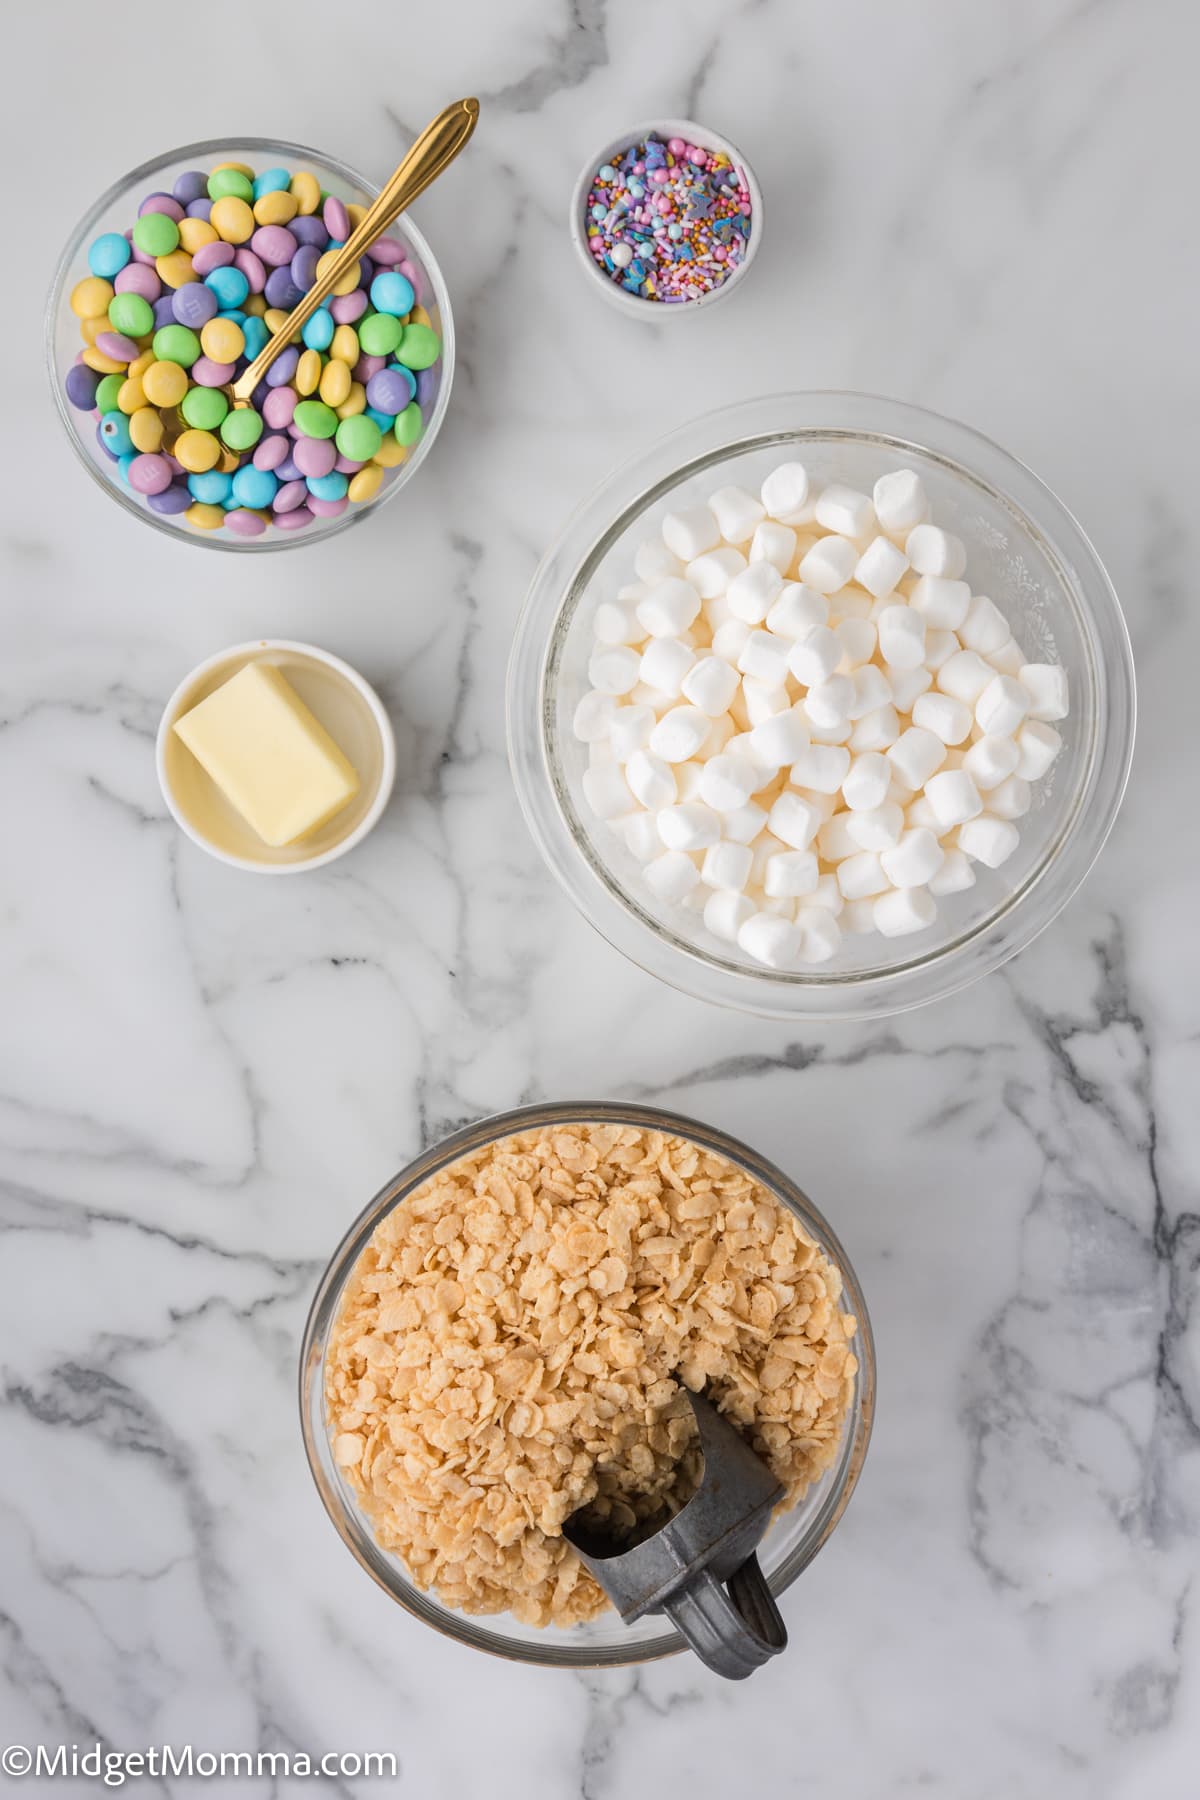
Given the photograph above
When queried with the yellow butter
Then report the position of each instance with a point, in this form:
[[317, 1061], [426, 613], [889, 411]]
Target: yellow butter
[[269, 756]]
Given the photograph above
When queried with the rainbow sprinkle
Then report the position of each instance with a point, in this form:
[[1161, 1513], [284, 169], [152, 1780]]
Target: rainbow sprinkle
[[668, 220]]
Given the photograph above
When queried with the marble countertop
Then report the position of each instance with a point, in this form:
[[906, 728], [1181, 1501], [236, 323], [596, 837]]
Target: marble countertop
[[204, 1076]]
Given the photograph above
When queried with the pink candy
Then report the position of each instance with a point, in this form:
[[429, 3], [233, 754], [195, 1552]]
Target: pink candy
[[270, 451], [348, 307], [289, 496], [314, 456], [136, 278], [149, 474], [244, 522], [212, 374], [251, 267], [278, 408], [209, 257], [292, 521], [275, 244]]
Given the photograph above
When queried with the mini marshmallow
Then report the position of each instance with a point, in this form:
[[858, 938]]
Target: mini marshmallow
[[730, 639], [665, 662], [853, 603], [1012, 799], [991, 760], [794, 820], [932, 551], [672, 876], [1037, 746], [915, 756], [790, 873], [913, 860], [866, 781], [690, 533], [814, 658], [940, 646], [834, 842], [689, 826], [829, 565], [641, 835], [954, 876], [905, 910], [947, 718], [785, 494], [643, 695], [988, 840], [797, 610], [822, 767], [630, 730], [954, 798], [654, 562], [880, 567], [727, 865], [763, 701], [774, 942], [615, 623], [594, 717], [773, 543], [861, 875], [613, 668], [907, 687], [965, 675], [941, 601], [874, 730], [607, 791], [985, 627], [679, 734], [876, 827], [695, 900], [651, 779], [720, 732], [828, 703], [710, 683], [669, 608], [687, 780], [779, 741], [712, 573], [727, 782], [901, 637], [844, 510], [764, 657], [753, 591], [828, 894], [820, 934], [1009, 659], [736, 513], [725, 912], [830, 734], [872, 689], [714, 612], [1001, 708], [900, 501], [857, 638], [1046, 685], [744, 823], [920, 816], [765, 846], [857, 918]]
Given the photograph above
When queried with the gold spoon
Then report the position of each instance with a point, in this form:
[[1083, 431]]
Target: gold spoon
[[433, 151]]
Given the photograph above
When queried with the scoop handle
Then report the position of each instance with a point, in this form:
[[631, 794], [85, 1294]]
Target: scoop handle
[[733, 1630]]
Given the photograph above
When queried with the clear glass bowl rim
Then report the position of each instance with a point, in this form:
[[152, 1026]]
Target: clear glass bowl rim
[[217, 540], [356, 1535], [601, 519]]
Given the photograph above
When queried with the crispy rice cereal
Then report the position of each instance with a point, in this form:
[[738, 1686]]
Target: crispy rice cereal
[[511, 1343]]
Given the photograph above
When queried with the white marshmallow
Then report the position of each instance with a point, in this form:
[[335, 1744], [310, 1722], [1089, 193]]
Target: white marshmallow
[[853, 603], [765, 846], [919, 815], [834, 841], [880, 567], [821, 767], [844, 510], [797, 610], [915, 756], [725, 912], [730, 639], [606, 791], [752, 593], [1001, 707], [773, 543], [720, 732], [710, 683], [669, 608], [913, 860], [651, 779], [828, 894], [901, 637], [665, 662], [1046, 684], [774, 942], [679, 734], [946, 717], [857, 918], [741, 745], [954, 876], [794, 820], [696, 899], [831, 734], [736, 513], [785, 494], [616, 623], [813, 659], [988, 840], [690, 533], [940, 646], [630, 731], [907, 687], [866, 781], [941, 601], [727, 782], [764, 657], [654, 562], [828, 703], [874, 730], [763, 701], [633, 591], [985, 627], [1009, 659], [1037, 746], [1012, 799], [643, 695], [613, 668], [872, 690], [779, 741], [861, 875], [594, 717], [900, 500], [673, 875], [829, 565], [820, 934], [744, 823], [712, 573], [932, 551], [954, 798], [601, 753], [991, 760], [876, 827], [689, 826], [789, 873], [687, 780], [904, 910], [965, 675], [641, 835], [714, 612], [857, 638]]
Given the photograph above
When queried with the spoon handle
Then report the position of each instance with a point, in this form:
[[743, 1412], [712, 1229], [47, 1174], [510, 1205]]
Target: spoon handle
[[433, 151]]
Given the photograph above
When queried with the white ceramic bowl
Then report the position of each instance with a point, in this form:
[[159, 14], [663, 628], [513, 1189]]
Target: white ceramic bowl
[[665, 128], [350, 710]]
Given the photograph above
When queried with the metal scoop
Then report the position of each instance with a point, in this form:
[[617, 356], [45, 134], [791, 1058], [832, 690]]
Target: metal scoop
[[700, 1568]]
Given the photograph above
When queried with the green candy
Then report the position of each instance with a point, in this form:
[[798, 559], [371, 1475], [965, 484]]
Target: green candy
[[420, 347], [358, 438], [175, 343], [315, 419], [408, 424], [131, 314], [204, 407], [380, 334], [156, 234], [230, 181], [106, 393], [241, 428]]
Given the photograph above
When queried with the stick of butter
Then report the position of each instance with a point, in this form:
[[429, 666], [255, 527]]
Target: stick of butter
[[269, 756]]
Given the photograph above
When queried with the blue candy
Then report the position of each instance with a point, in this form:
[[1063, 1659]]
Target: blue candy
[[318, 333], [228, 284], [108, 255], [256, 334], [271, 181], [385, 421], [114, 433], [124, 464], [391, 293], [254, 487], [212, 487], [327, 487]]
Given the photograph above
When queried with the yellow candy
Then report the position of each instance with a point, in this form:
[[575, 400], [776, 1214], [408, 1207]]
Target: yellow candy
[[335, 383], [140, 364], [254, 305], [307, 190], [223, 340], [193, 233], [90, 329], [390, 454], [145, 427], [103, 365], [90, 297], [278, 208], [205, 518], [175, 270], [355, 401], [242, 169], [197, 451], [344, 345], [349, 280], [308, 372], [355, 213], [274, 318], [165, 384], [131, 395], [366, 484], [233, 219], [418, 316]]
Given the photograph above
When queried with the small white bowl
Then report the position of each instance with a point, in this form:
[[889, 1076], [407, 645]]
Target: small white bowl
[[351, 712], [693, 134]]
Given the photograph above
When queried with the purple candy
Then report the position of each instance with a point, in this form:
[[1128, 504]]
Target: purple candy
[[428, 381], [189, 186], [294, 521], [281, 290], [199, 209], [81, 385], [211, 256], [304, 266], [100, 439], [258, 398], [416, 278], [164, 311], [309, 230], [280, 404], [389, 391], [344, 466], [270, 451], [290, 495], [275, 244], [177, 467], [116, 345], [136, 278], [163, 203], [251, 267], [287, 471], [149, 474], [244, 522], [211, 374], [337, 219], [314, 456], [175, 499], [345, 308], [366, 271], [386, 251], [326, 509], [284, 366], [194, 304], [366, 366]]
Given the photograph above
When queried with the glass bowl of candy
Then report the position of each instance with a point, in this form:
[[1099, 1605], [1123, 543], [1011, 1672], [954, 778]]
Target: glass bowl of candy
[[821, 708], [176, 279]]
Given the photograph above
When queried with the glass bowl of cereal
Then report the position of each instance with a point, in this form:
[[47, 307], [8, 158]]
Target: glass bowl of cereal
[[500, 1341]]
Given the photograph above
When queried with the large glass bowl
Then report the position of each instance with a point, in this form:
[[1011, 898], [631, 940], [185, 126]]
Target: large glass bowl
[[794, 1537], [116, 211], [1025, 550]]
